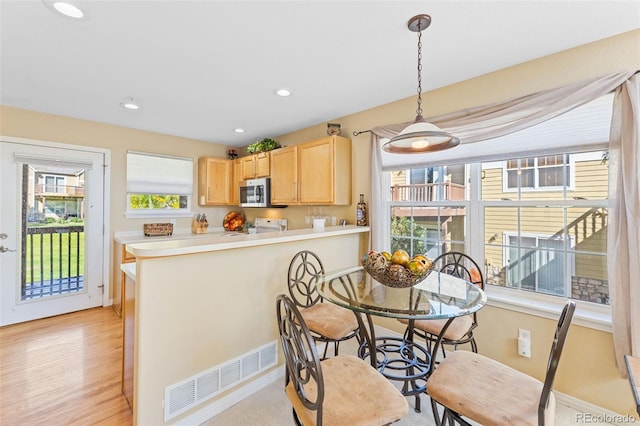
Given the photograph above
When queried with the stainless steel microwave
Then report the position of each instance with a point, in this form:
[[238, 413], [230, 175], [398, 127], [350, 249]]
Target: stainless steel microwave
[[255, 193]]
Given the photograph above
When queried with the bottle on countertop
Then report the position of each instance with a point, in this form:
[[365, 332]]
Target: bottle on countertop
[[361, 212]]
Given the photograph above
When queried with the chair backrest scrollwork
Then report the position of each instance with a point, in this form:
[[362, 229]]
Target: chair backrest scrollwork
[[305, 274], [301, 357]]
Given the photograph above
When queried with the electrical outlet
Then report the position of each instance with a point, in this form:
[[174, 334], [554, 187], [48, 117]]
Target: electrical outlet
[[524, 343], [524, 334]]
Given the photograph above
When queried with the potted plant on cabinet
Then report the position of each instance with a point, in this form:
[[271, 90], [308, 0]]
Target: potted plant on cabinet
[[263, 145]]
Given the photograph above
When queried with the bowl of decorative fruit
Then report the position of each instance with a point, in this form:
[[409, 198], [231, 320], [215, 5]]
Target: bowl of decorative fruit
[[398, 269]]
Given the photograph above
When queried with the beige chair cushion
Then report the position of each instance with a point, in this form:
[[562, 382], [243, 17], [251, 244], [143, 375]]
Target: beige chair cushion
[[456, 330], [487, 391], [354, 394], [330, 320]]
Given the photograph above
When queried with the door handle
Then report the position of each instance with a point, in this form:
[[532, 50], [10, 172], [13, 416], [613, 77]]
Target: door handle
[[3, 236], [4, 249]]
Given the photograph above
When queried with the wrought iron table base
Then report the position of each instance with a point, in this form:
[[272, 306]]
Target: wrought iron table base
[[401, 360]]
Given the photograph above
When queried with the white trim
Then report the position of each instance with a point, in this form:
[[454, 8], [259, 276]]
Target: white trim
[[133, 214], [106, 226], [595, 413], [590, 315]]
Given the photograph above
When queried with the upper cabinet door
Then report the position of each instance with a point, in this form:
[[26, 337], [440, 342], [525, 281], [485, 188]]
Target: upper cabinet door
[[214, 181], [324, 171], [256, 165], [284, 176], [316, 171]]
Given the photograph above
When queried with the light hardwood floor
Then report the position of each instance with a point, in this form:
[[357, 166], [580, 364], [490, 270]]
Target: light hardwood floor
[[64, 370]]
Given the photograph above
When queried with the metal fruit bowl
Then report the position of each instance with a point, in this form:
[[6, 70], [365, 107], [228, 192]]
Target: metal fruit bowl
[[393, 275]]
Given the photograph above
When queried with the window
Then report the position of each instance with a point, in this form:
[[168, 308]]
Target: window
[[536, 263], [539, 173], [54, 184], [428, 214], [158, 185], [550, 242], [530, 206]]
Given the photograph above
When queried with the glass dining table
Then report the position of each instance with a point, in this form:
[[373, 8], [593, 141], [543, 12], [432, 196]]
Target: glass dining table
[[438, 296]]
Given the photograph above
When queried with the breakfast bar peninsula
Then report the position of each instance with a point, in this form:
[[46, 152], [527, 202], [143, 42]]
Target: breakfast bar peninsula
[[200, 333]]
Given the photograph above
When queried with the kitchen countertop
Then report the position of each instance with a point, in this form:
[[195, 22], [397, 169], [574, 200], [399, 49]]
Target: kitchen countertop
[[130, 237], [213, 241]]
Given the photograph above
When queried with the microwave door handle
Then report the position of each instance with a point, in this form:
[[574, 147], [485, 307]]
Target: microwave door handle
[[259, 195]]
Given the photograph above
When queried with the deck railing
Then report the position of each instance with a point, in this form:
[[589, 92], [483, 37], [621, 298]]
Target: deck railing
[[428, 192], [52, 189], [53, 261]]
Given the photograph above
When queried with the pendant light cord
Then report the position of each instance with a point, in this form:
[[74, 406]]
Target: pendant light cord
[[419, 110]]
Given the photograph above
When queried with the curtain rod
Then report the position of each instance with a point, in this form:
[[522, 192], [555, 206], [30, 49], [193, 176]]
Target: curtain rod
[[363, 131]]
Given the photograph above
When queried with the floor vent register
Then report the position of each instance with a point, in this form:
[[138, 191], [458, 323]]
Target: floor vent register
[[190, 392]]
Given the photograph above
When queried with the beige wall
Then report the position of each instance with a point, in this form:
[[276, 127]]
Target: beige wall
[[598, 382]]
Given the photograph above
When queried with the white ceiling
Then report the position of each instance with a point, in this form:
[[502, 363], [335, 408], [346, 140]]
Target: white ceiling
[[202, 68]]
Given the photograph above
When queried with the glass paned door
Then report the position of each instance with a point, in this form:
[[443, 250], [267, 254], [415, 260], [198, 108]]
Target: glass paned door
[[52, 217]]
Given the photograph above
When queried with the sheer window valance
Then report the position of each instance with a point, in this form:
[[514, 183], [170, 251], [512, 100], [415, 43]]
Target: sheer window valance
[[491, 122], [486, 123]]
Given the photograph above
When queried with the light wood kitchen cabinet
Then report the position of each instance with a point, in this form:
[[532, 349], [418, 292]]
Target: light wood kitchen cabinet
[[128, 337], [120, 256], [256, 165], [236, 178], [216, 182], [284, 176], [317, 172]]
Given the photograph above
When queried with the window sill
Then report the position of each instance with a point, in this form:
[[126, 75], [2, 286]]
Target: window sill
[[158, 214], [589, 315]]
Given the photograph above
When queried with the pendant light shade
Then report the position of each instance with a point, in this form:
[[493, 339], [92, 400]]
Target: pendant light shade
[[420, 136]]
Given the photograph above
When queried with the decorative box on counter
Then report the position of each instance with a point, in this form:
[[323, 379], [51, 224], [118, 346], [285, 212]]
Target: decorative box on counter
[[157, 229]]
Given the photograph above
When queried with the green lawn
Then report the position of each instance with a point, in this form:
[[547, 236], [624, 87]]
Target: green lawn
[[51, 254]]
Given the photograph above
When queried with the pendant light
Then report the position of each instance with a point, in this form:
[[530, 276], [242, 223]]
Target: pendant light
[[420, 136]]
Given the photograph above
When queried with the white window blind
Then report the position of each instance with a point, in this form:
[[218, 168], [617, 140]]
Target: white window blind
[[580, 129], [159, 174]]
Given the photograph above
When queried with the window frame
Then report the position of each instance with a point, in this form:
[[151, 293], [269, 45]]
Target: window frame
[[536, 176], [591, 315]]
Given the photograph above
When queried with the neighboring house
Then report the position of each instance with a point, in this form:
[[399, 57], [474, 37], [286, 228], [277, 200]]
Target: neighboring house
[[52, 194], [529, 242]]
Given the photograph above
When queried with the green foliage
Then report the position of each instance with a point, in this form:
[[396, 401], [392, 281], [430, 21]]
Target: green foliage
[[407, 235], [55, 258], [263, 145], [154, 201]]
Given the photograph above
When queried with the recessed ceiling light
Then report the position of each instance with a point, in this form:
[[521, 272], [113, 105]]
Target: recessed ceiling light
[[283, 92], [66, 8], [129, 103], [238, 130]]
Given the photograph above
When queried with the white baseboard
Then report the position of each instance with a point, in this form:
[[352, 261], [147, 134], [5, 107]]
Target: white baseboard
[[232, 399], [591, 413]]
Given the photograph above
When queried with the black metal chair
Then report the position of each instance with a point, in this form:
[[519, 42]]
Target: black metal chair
[[341, 390], [460, 331], [471, 386], [329, 323]]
